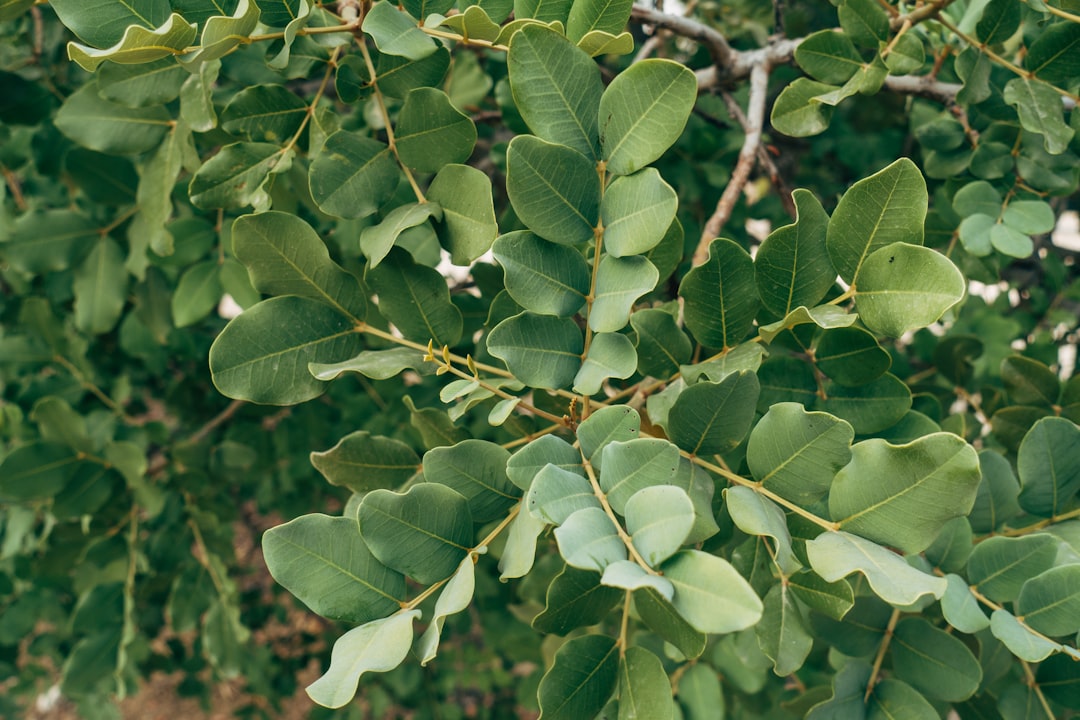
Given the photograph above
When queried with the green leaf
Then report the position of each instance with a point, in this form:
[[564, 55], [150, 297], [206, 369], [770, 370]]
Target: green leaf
[[1031, 217], [98, 124], [157, 181], [611, 355], [556, 493], [643, 112], [663, 619], [1040, 110], [197, 293], [644, 688], [1029, 382], [661, 345], [827, 317], [363, 462], [11, 9], [906, 287], [999, 566], [50, 240], [710, 594], [106, 179], [575, 598], [849, 687], [237, 177], [1052, 54], [556, 88], [995, 502], [262, 355], [327, 565], [376, 240], [833, 599], [907, 56], [633, 465], [1049, 602], [636, 211], [431, 132], [103, 24], [581, 679], [474, 23], [467, 227], [659, 519], [519, 552], [933, 661], [396, 75], [58, 422], [1021, 642], [616, 423], [710, 418], [279, 13], [541, 351], [797, 112], [620, 282], [902, 495], [896, 700], [1059, 680], [424, 533], [415, 299], [872, 407], [285, 256], [782, 632], [588, 540], [144, 84], [455, 597], [999, 22], [221, 34], [353, 175], [792, 266], [100, 288], [960, 608], [543, 277], [375, 364], [864, 21], [835, 555], [721, 296], [378, 646], [756, 515], [545, 11], [700, 693], [36, 471], [598, 42], [885, 208], [299, 20], [1049, 467], [828, 56], [555, 191], [851, 356], [477, 470], [597, 15], [523, 465], [264, 113], [395, 33]]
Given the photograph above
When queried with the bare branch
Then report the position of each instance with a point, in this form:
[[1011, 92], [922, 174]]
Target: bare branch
[[755, 121], [923, 86], [722, 53]]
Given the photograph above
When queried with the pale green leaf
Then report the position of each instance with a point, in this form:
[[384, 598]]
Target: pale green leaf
[[395, 33], [378, 646], [828, 56], [105, 23], [757, 515], [634, 465], [197, 293], [467, 226], [598, 42], [620, 281], [523, 465], [834, 555], [611, 355], [100, 288], [710, 594], [644, 688], [1040, 110], [375, 364], [1049, 467], [782, 632], [637, 210], [99, 124], [827, 317], [1021, 641], [628, 575], [659, 519], [616, 423], [798, 113], [376, 240], [588, 540], [555, 494], [960, 608], [221, 34], [905, 287], [455, 597]]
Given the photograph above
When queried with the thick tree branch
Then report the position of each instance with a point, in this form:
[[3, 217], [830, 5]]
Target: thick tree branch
[[755, 122], [722, 53]]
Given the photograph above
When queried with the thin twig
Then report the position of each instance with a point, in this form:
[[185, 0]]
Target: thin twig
[[224, 416], [881, 654], [763, 157], [15, 187], [721, 51], [755, 121]]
